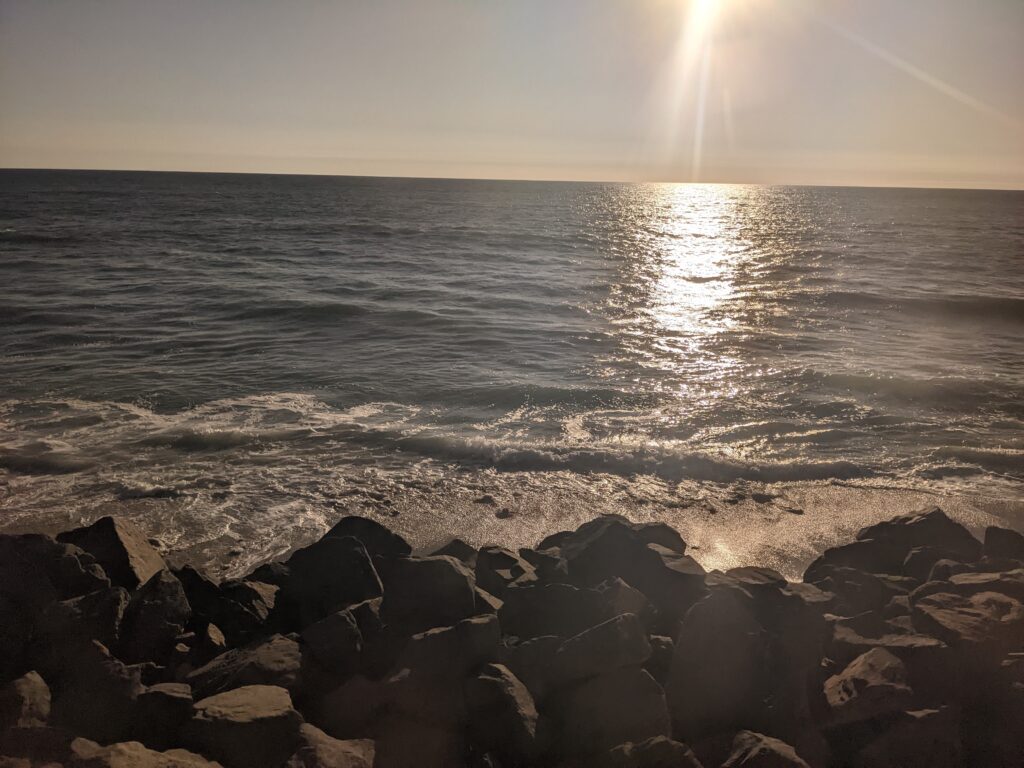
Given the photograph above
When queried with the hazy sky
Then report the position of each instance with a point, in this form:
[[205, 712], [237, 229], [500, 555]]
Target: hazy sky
[[920, 92]]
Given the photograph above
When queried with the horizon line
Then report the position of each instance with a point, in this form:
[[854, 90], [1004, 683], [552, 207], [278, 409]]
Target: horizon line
[[836, 185]]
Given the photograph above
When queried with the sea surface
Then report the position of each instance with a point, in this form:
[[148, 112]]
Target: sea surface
[[235, 361]]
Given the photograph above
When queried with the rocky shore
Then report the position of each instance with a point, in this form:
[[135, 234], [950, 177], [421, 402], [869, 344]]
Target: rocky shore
[[604, 646]]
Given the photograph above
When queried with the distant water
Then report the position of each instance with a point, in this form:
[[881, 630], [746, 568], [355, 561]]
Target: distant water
[[237, 357]]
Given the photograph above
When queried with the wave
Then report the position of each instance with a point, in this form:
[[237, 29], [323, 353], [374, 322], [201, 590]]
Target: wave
[[992, 459], [951, 306], [31, 461]]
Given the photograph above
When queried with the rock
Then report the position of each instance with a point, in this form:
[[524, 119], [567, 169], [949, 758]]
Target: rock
[[660, 662], [618, 642], [871, 686], [927, 528], [621, 598], [1009, 583], [156, 615], [502, 715], [375, 538], [132, 754], [275, 574], [24, 702], [497, 568], [1003, 542], [240, 609], [646, 533], [453, 651], [485, 602], [755, 750], [859, 591], [551, 609], [335, 641], [351, 710], [276, 661], [40, 746], [404, 743], [716, 680], [250, 727], [929, 738], [326, 577], [318, 750], [865, 556], [120, 547], [548, 564], [919, 561], [97, 696], [458, 549], [602, 712], [67, 626], [426, 592], [987, 622], [532, 661], [657, 752], [161, 712]]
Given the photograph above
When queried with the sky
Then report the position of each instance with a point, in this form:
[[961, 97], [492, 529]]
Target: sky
[[860, 92]]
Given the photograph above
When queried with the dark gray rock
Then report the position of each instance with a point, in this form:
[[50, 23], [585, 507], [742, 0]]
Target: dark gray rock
[[276, 661], [986, 623], [335, 641], [161, 712], [458, 549], [551, 609], [929, 738], [239, 609], [532, 661], [755, 750], [378, 540], [502, 715], [497, 568], [318, 750], [156, 615], [120, 547], [618, 642], [657, 752], [426, 592], [1003, 542]]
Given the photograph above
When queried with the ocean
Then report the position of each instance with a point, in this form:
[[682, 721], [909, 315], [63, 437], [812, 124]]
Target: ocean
[[236, 361]]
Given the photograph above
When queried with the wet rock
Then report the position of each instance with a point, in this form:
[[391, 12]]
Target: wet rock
[[623, 705], [24, 702], [156, 615], [502, 715], [927, 528], [657, 752], [318, 750], [551, 609], [276, 661], [161, 712], [326, 577], [497, 568], [426, 592], [1003, 542], [618, 642], [250, 727], [378, 540], [120, 547], [755, 750], [871, 686]]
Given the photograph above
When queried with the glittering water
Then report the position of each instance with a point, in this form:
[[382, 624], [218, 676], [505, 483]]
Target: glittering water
[[242, 356]]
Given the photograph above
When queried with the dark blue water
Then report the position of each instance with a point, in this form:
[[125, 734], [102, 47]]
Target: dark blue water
[[214, 344]]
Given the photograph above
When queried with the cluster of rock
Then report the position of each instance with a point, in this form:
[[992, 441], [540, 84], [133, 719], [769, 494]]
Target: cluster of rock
[[605, 646]]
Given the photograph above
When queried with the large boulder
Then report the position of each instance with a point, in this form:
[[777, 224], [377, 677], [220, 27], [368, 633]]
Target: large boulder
[[989, 623], [254, 726], [1003, 542], [533, 662], [927, 528], [67, 627], [618, 642], [602, 712], [325, 577], [755, 750], [929, 738], [873, 685], [656, 752], [378, 540], [156, 615], [120, 547], [161, 711], [335, 641], [276, 661], [502, 715], [318, 750], [24, 702], [240, 609], [497, 568], [534, 610], [426, 592], [132, 754]]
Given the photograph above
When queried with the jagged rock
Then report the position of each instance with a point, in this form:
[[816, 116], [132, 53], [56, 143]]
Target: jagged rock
[[660, 662], [1003, 542], [326, 577], [872, 685], [42, 746], [532, 661], [925, 738], [276, 661], [161, 712], [755, 750], [453, 651], [927, 528], [751, 577], [351, 710], [120, 547], [335, 641], [602, 712], [919, 561], [274, 573], [69, 625], [426, 592], [620, 598], [132, 754], [657, 752], [375, 538], [240, 609], [859, 591], [485, 602], [254, 726], [156, 615], [720, 656], [647, 533], [458, 549], [865, 556], [548, 564], [497, 568], [1009, 583], [502, 715], [618, 642], [97, 697], [989, 622], [943, 569], [24, 702], [318, 750], [551, 609]]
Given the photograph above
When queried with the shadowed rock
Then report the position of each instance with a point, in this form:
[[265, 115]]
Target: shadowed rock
[[1002, 542], [755, 750], [120, 547], [426, 592], [657, 752], [24, 702], [275, 661], [318, 750], [502, 715], [618, 642], [871, 686]]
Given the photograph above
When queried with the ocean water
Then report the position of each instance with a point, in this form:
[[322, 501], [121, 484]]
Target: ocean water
[[235, 361]]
